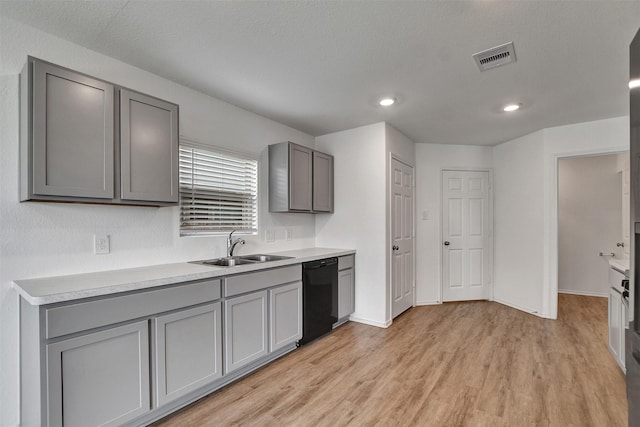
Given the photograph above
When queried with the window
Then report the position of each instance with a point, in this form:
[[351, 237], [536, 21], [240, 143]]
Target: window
[[218, 192]]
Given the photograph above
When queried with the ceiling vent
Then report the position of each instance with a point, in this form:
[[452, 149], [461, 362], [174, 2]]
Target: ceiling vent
[[495, 57]]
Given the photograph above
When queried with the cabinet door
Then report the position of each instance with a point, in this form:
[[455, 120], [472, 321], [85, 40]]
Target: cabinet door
[[100, 378], [624, 308], [322, 182], [614, 323], [345, 293], [148, 148], [72, 134], [245, 327], [188, 350], [300, 177], [285, 308]]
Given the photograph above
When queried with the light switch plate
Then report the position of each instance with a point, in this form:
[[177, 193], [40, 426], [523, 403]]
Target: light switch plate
[[101, 244], [270, 236]]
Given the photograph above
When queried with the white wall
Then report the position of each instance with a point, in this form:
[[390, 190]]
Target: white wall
[[430, 160], [359, 219], [519, 222], [589, 222], [597, 137], [526, 232], [45, 239]]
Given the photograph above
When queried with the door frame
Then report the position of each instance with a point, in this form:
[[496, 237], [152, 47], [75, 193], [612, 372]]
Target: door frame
[[490, 249], [389, 252], [550, 289]]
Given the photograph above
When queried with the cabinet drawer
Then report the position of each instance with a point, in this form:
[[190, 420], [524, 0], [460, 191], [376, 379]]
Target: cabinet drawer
[[250, 282], [345, 262], [87, 315]]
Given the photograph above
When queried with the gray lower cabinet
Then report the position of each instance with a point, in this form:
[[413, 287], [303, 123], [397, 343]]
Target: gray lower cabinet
[[345, 293], [148, 148], [285, 308], [245, 330], [100, 378], [188, 351], [346, 287], [133, 357], [67, 126]]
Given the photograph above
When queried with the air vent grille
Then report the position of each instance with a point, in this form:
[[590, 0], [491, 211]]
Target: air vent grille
[[495, 57]]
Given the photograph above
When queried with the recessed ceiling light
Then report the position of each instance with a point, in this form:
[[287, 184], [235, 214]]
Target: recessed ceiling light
[[511, 107], [634, 83], [385, 102]]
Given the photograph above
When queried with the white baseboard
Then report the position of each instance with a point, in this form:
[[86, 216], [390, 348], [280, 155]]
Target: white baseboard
[[583, 293], [370, 322], [521, 308], [428, 303]]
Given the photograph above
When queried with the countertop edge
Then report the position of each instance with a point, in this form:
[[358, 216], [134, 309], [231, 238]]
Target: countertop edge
[[42, 298]]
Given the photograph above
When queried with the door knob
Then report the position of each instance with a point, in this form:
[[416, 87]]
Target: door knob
[[446, 243], [395, 247]]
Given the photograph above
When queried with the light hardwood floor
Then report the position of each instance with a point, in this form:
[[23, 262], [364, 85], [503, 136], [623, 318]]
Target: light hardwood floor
[[456, 364]]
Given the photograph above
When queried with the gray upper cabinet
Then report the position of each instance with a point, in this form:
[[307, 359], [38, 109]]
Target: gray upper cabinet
[[322, 182], [78, 144], [71, 134], [148, 148], [300, 179]]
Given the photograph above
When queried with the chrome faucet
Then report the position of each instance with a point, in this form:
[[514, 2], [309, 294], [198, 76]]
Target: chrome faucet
[[231, 243]]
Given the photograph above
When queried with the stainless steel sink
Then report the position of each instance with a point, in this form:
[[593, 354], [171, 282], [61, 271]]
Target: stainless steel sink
[[225, 262], [264, 258], [241, 260]]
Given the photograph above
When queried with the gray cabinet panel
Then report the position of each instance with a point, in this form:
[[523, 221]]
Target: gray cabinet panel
[[286, 315], [72, 134], [322, 182], [345, 262], [346, 293], [246, 330], [100, 378], [250, 282], [148, 148], [188, 351], [71, 318], [300, 177]]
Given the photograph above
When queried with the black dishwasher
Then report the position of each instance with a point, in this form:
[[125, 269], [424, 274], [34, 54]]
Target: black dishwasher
[[319, 298]]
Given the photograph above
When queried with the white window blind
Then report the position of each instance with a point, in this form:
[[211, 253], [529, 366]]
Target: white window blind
[[218, 192]]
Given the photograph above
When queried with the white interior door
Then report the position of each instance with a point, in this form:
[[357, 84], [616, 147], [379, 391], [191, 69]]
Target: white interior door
[[402, 237], [466, 234]]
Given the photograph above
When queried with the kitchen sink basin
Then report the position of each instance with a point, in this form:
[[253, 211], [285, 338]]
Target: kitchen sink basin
[[225, 262], [263, 258], [241, 260]]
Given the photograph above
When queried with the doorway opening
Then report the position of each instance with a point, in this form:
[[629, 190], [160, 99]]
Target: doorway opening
[[593, 221]]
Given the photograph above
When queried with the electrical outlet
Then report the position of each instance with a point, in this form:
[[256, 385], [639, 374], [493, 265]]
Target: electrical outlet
[[100, 244], [288, 234], [270, 236]]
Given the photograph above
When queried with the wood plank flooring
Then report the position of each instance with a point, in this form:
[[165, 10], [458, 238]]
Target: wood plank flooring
[[456, 364]]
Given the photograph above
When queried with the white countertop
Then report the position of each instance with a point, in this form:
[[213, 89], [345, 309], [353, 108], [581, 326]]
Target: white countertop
[[48, 290], [622, 265]]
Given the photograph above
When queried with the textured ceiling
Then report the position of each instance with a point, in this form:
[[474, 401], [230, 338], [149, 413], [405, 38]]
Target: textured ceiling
[[320, 66]]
